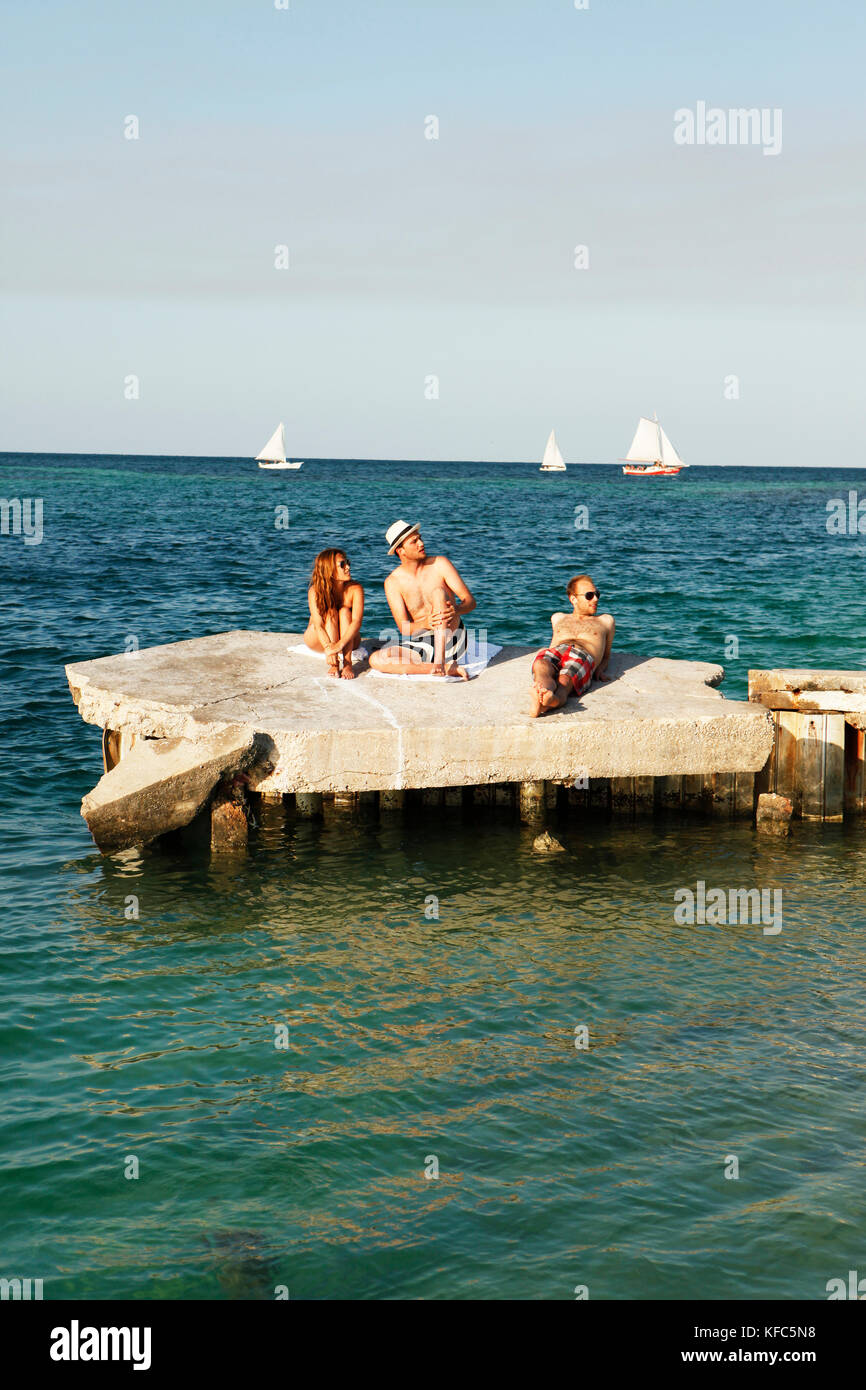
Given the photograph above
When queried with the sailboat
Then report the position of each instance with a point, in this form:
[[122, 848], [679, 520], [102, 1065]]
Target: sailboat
[[273, 455], [652, 455], [553, 461]]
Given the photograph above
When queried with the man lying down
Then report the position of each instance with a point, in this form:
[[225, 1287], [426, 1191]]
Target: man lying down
[[579, 649]]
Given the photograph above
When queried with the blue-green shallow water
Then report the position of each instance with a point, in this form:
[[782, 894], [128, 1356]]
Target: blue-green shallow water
[[412, 1037]]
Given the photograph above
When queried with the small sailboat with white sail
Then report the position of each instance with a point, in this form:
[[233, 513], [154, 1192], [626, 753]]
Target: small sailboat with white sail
[[553, 461], [273, 455], [652, 455]]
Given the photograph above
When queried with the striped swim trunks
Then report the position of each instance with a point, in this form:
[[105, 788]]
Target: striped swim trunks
[[422, 643], [573, 661]]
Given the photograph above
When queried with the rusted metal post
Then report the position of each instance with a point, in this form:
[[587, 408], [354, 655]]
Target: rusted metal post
[[855, 770], [228, 822]]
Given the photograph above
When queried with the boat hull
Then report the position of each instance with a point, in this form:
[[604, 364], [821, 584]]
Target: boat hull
[[282, 465], [654, 471]]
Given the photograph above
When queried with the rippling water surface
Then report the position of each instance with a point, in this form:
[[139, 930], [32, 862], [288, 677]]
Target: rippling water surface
[[412, 1037]]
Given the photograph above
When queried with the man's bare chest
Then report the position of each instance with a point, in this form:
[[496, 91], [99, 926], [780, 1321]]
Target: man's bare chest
[[417, 591], [581, 627]]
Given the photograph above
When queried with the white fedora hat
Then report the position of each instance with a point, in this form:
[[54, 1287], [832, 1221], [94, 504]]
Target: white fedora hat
[[396, 534]]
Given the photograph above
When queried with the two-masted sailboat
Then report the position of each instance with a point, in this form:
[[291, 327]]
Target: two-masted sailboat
[[553, 461], [273, 455], [652, 455]]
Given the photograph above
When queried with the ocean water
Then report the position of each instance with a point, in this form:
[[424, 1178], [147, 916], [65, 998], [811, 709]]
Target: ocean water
[[414, 1038]]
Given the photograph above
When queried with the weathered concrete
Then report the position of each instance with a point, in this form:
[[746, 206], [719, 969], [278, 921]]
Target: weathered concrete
[[774, 813], [812, 692], [797, 679], [161, 785], [656, 717], [545, 843]]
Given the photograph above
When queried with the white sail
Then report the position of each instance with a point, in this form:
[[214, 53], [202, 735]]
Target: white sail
[[275, 449], [553, 461], [670, 457], [651, 445], [645, 445]]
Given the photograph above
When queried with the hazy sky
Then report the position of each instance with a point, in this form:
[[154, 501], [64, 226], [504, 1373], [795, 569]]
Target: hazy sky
[[411, 257]]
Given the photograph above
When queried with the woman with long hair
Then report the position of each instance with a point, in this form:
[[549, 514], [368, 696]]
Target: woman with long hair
[[336, 612]]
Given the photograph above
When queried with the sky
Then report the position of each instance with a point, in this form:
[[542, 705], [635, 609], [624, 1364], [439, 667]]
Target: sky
[[431, 307]]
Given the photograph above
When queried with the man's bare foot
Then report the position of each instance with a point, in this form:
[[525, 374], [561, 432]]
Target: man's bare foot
[[548, 698], [456, 670], [438, 668], [535, 706]]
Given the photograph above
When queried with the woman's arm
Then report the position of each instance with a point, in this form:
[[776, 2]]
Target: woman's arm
[[317, 622], [356, 596]]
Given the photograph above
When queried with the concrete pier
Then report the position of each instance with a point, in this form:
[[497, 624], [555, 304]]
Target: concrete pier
[[658, 734], [654, 718]]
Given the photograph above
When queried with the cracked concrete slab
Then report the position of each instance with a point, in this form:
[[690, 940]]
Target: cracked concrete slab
[[161, 785]]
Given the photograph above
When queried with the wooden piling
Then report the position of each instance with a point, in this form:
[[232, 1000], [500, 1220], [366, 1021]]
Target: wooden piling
[[821, 766], [644, 795], [599, 795], [744, 795], [392, 802], [622, 796], [669, 793], [531, 800], [309, 804], [785, 780], [695, 792], [722, 795]]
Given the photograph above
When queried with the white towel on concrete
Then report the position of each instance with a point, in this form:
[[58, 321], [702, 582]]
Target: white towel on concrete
[[303, 650], [478, 654]]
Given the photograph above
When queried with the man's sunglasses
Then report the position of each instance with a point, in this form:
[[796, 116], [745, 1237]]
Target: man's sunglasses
[[592, 593]]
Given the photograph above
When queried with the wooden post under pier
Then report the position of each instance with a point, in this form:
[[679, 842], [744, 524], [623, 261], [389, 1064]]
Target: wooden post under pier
[[817, 754], [531, 801]]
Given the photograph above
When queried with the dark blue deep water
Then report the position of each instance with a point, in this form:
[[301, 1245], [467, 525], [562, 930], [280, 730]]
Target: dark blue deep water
[[411, 1039]]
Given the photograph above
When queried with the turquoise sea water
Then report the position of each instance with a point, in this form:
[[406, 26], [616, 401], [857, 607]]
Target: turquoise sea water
[[412, 1038]]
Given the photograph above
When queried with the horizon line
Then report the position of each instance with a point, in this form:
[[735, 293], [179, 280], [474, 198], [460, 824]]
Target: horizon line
[[238, 458]]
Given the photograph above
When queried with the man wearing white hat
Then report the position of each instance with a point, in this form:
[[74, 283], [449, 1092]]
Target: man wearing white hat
[[428, 600]]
